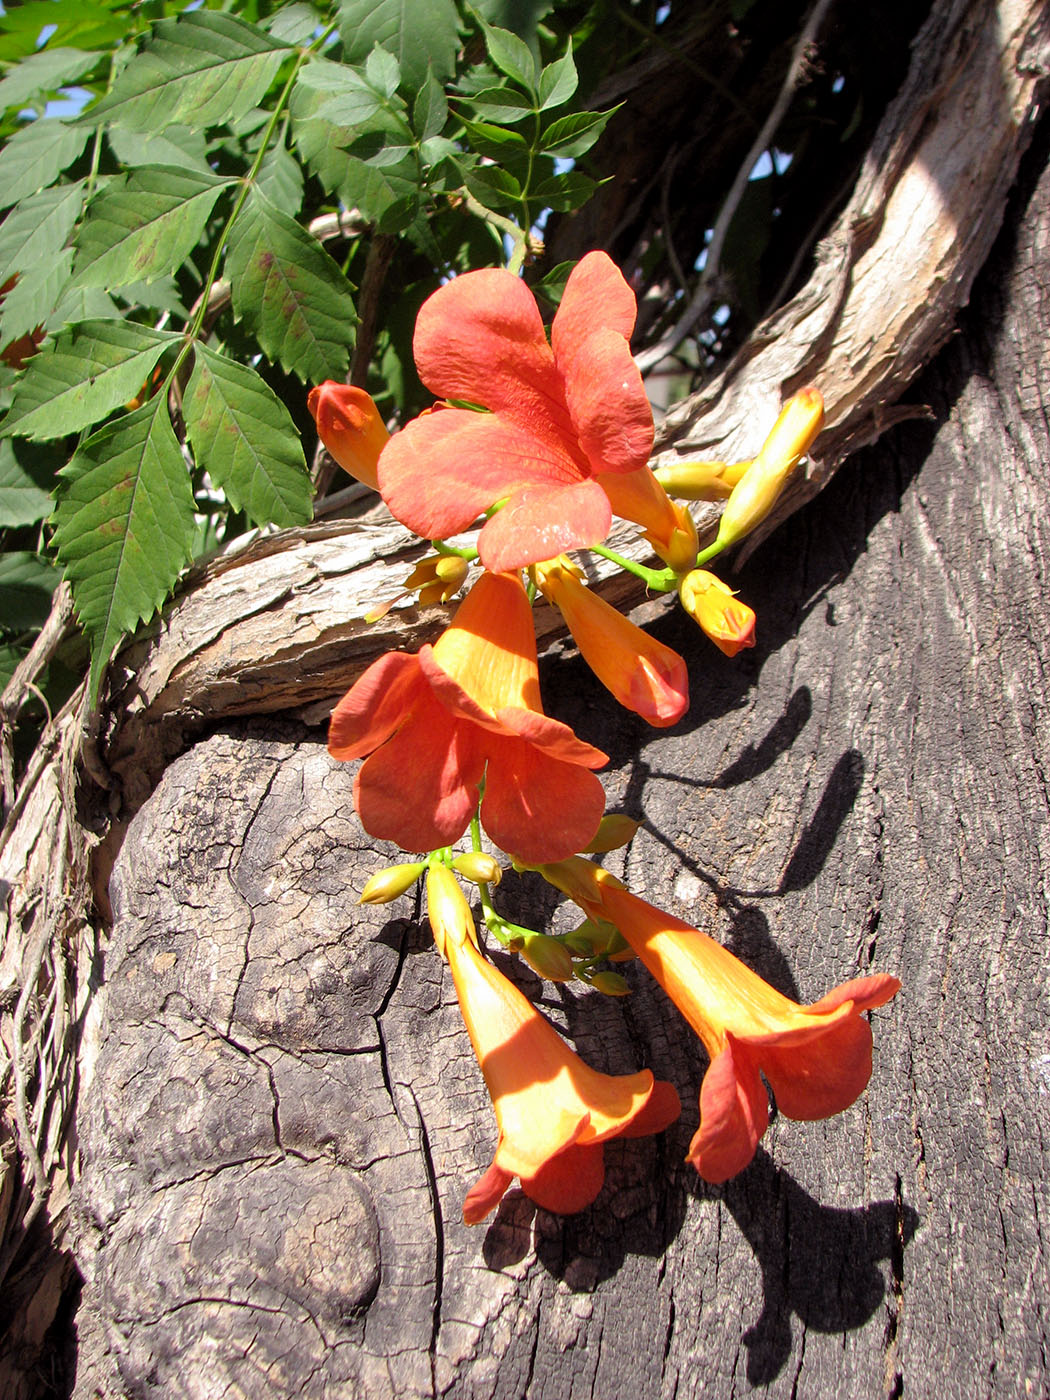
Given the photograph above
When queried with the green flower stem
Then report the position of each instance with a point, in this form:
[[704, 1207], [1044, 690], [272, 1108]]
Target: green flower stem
[[709, 553], [662, 581], [452, 551]]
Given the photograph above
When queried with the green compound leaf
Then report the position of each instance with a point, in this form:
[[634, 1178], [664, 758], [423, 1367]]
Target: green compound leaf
[[417, 32], [125, 526], [143, 225], [43, 72], [289, 293], [83, 375], [36, 155], [243, 435], [201, 69]]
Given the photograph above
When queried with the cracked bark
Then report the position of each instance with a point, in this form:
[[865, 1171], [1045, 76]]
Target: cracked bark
[[864, 790]]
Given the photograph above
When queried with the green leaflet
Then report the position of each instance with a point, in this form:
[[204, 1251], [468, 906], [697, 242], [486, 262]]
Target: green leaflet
[[144, 225], [43, 72], [419, 33], [176, 145], [34, 156], [243, 435], [125, 526], [83, 375], [34, 296], [27, 582], [38, 227], [26, 474], [198, 70], [290, 293]]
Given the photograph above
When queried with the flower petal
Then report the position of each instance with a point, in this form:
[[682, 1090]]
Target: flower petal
[[734, 1113], [480, 338], [663, 1108], [568, 1182], [542, 521], [535, 805], [485, 1195], [444, 469], [607, 404], [419, 789], [603, 387], [596, 287], [375, 705], [823, 1076]]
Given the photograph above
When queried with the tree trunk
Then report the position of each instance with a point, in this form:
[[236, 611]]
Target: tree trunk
[[281, 1112]]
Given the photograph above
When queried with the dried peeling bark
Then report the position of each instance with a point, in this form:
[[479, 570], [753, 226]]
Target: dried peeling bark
[[284, 1114], [815, 802]]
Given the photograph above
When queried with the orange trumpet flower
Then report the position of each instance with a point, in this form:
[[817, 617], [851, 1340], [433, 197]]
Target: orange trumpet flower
[[560, 415], [554, 1113], [434, 724], [816, 1058]]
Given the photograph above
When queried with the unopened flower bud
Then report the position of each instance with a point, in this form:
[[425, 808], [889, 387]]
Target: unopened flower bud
[[478, 867], [548, 956], [729, 623], [614, 830], [756, 493], [610, 984], [700, 481], [443, 572], [447, 909], [392, 881], [349, 425]]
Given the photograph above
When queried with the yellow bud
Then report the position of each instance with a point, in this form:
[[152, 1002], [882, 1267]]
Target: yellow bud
[[437, 577], [610, 984], [447, 909], [548, 956], [389, 883], [450, 568], [478, 867], [729, 623], [700, 481], [614, 830], [756, 493]]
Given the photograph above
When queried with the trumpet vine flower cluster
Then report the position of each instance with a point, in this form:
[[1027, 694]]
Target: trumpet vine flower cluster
[[539, 443]]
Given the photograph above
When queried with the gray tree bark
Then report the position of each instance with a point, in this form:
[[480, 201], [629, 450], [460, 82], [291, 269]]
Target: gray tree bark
[[281, 1112]]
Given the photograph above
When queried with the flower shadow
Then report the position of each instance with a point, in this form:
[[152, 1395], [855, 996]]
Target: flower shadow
[[830, 1267], [818, 1263]]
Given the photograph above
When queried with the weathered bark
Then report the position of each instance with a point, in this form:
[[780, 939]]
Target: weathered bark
[[283, 1112]]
